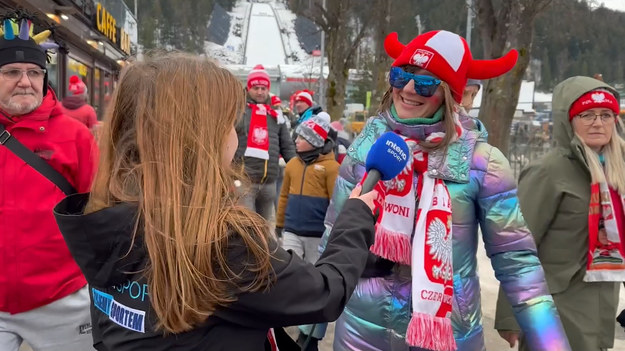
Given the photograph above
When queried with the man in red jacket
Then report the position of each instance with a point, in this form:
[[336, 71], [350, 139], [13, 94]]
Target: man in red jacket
[[76, 105], [44, 299]]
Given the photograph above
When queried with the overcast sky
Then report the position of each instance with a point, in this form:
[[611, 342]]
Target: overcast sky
[[614, 4]]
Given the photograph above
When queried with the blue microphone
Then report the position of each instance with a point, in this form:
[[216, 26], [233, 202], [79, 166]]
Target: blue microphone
[[387, 157]]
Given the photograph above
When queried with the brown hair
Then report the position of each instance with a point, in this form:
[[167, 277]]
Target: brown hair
[[161, 149], [450, 108]]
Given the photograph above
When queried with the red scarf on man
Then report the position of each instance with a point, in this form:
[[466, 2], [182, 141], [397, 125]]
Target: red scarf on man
[[258, 135]]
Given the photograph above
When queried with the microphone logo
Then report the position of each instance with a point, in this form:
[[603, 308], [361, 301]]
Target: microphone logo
[[396, 151]]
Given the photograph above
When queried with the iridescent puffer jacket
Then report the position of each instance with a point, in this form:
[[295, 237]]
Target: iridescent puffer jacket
[[483, 192]]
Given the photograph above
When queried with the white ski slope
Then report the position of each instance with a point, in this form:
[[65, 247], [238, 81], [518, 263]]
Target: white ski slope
[[264, 40]]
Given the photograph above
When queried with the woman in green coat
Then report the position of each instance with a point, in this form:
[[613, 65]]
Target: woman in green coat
[[572, 201]]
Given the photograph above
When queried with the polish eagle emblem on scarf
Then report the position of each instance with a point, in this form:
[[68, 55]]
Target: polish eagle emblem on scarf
[[260, 135], [439, 240]]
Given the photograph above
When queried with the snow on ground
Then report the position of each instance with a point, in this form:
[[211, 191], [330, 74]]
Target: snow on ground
[[542, 97], [222, 54], [286, 21], [526, 97], [617, 5], [231, 51], [301, 64], [264, 41]]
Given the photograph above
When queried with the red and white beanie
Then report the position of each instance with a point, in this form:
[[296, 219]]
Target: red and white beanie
[[314, 130], [76, 85], [304, 96], [275, 100], [258, 76], [447, 55], [594, 99]]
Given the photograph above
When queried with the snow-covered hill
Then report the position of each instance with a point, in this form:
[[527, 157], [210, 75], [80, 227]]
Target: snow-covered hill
[[253, 22], [264, 42]]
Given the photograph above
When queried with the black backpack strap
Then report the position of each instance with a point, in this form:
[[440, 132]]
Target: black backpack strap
[[34, 161]]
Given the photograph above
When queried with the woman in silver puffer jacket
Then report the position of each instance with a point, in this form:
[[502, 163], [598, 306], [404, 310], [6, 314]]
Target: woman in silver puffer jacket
[[427, 79]]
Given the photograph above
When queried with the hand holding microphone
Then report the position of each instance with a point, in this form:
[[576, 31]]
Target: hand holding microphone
[[367, 198]]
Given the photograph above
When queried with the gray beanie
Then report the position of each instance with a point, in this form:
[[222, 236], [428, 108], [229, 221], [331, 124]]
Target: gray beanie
[[315, 131]]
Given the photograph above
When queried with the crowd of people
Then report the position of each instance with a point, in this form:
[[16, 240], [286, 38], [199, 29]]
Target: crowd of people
[[210, 220]]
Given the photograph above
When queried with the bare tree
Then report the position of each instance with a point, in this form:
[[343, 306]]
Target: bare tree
[[338, 20], [509, 25], [381, 27]]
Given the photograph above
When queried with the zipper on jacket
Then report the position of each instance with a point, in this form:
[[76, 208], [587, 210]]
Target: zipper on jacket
[[262, 180], [301, 188]]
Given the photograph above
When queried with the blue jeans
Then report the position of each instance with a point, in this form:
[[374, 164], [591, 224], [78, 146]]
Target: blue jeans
[[279, 186]]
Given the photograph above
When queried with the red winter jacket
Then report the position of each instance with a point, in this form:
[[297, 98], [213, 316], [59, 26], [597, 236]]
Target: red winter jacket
[[36, 267], [76, 107]]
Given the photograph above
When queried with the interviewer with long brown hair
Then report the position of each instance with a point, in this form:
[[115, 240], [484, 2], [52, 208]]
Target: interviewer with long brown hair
[[173, 263]]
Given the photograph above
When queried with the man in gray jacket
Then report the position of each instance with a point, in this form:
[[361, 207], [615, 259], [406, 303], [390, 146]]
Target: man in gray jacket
[[262, 139]]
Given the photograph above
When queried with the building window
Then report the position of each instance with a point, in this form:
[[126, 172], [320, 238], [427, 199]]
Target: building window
[[97, 83], [109, 86], [53, 72], [75, 67], [102, 90]]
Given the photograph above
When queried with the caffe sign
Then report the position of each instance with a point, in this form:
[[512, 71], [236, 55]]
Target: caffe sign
[[107, 25]]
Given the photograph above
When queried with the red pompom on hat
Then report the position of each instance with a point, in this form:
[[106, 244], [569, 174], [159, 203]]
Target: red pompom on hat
[[275, 100], [594, 99], [76, 85], [447, 55], [304, 96], [258, 76]]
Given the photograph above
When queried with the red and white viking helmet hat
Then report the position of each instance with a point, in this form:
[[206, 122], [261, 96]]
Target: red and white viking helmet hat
[[447, 55]]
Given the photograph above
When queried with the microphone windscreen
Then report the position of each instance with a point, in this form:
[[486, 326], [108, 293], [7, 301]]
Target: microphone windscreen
[[388, 155]]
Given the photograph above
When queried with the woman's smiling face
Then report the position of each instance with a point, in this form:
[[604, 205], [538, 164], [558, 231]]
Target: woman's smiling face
[[409, 104]]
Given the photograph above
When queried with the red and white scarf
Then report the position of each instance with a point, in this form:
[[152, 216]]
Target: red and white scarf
[[258, 135], [606, 237], [420, 235]]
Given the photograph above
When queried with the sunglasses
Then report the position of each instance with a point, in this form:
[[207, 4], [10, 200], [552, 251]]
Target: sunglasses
[[423, 85]]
